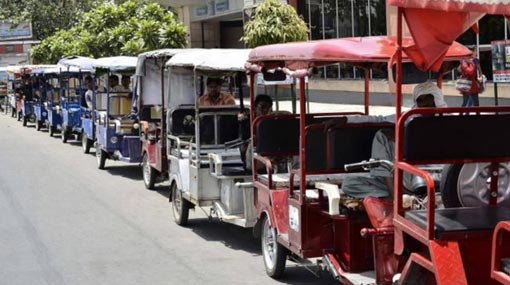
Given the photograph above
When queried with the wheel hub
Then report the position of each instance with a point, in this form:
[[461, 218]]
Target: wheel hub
[[474, 184]]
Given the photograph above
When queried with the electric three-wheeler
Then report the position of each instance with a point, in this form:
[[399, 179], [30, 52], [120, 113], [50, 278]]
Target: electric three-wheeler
[[302, 212], [53, 98], [116, 125], [205, 169], [40, 90], [456, 241], [73, 100], [152, 84]]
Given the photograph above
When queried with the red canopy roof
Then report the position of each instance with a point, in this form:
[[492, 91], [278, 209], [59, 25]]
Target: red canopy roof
[[302, 55], [435, 24], [482, 6]]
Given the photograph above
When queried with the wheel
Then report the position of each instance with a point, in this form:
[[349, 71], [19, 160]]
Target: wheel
[[100, 157], [51, 130], [38, 125], [180, 206], [13, 112], [32, 119], [274, 254], [19, 116], [85, 143], [65, 135], [467, 185], [25, 120], [149, 173]]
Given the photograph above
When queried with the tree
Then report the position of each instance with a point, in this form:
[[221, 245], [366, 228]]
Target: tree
[[42, 14], [274, 22], [114, 29]]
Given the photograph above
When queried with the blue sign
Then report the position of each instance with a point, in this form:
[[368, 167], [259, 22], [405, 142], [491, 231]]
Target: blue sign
[[9, 31], [201, 11]]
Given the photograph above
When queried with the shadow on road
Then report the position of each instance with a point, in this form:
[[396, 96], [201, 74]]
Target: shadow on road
[[238, 238], [133, 172], [233, 237]]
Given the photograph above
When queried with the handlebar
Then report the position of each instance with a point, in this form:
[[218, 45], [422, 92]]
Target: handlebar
[[366, 165]]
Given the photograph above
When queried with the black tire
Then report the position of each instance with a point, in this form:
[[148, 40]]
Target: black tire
[[85, 143], [100, 157], [19, 116], [51, 130], [13, 112], [38, 125], [448, 186], [273, 253], [180, 206], [65, 135], [25, 120], [149, 173]]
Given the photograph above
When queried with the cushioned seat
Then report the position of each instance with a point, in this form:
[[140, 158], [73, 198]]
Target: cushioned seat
[[461, 219]]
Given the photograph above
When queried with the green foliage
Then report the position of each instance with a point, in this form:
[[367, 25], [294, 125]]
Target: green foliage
[[114, 29], [42, 13], [274, 22]]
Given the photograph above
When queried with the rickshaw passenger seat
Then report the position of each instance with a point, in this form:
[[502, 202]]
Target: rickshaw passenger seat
[[456, 137], [182, 122], [461, 219]]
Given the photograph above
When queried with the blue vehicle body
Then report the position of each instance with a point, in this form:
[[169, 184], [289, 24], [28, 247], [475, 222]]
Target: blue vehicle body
[[54, 121], [117, 134], [71, 116]]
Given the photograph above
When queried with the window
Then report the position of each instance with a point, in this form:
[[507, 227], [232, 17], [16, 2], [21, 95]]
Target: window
[[329, 19]]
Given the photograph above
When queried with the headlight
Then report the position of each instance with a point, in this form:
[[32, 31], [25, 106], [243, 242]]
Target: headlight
[[114, 140], [136, 126], [44, 113]]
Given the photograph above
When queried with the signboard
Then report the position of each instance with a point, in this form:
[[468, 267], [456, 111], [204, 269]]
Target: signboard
[[201, 10], [221, 6], [500, 61], [9, 31]]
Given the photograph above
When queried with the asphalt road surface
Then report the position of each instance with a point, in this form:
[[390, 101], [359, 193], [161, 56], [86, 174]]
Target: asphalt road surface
[[63, 221]]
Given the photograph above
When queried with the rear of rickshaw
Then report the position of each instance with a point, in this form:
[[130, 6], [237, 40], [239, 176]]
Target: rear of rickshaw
[[76, 69], [152, 83], [205, 165], [304, 213], [116, 124]]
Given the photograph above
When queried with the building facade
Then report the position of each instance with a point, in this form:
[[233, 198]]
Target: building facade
[[219, 23], [15, 43]]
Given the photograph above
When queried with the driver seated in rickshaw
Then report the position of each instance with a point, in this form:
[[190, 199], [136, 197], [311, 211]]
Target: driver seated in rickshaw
[[214, 95], [380, 181]]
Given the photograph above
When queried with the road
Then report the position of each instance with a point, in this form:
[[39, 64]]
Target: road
[[63, 221]]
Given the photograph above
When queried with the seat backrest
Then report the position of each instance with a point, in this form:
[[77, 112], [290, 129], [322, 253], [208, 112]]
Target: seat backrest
[[182, 122], [441, 138], [352, 143], [277, 136]]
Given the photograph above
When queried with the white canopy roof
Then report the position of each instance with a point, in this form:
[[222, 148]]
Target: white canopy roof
[[212, 59], [160, 53], [83, 63], [115, 63]]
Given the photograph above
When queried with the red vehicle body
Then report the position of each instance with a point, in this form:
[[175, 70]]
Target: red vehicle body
[[152, 84], [307, 226], [455, 242]]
